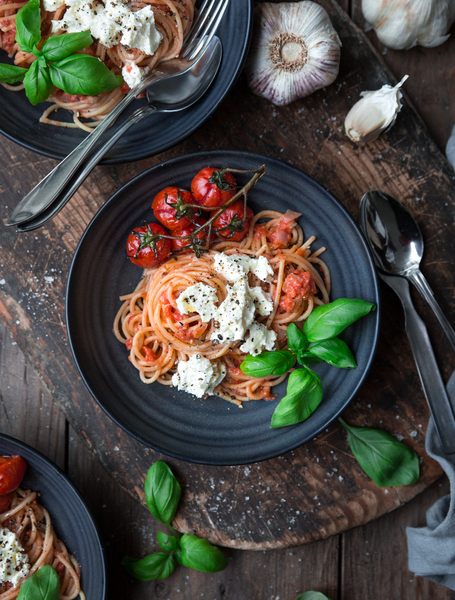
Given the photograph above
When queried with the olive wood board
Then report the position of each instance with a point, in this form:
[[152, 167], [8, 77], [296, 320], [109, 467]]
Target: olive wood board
[[319, 489]]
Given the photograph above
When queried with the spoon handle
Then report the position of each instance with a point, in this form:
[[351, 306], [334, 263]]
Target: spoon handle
[[430, 377], [417, 278]]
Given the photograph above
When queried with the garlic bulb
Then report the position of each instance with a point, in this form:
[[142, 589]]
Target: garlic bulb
[[403, 24], [295, 51], [374, 113]]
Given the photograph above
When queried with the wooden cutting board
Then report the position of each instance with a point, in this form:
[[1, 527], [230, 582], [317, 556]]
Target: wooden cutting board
[[317, 490]]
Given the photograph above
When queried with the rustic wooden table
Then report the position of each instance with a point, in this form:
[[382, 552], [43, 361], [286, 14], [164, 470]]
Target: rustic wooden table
[[368, 562]]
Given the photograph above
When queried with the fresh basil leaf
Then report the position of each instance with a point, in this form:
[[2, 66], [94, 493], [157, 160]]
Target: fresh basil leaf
[[42, 585], [200, 555], [28, 26], [154, 566], [268, 363], [83, 74], [335, 352], [312, 596], [11, 73], [37, 83], [383, 458], [297, 340], [303, 396], [306, 359], [162, 492], [58, 47], [329, 320], [167, 542]]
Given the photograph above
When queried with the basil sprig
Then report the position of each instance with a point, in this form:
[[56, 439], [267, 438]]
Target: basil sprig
[[383, 458], [56, 62], [162, 496], [316, 343], [44, 584]]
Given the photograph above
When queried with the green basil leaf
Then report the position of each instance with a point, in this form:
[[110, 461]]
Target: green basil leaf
[[268, 363], [200, 555], [42, 585], [312, 596], [83, 74], [329, 320], [167, 542], [303, 396], [154, 566], [306, 359], [297, 340], [58, 47], [28, 26], [11, 73], [383, 458], [335, 352], [37, 83], [162, 492]]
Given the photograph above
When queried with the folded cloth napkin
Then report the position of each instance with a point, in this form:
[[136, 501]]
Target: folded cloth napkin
[[431, 549]]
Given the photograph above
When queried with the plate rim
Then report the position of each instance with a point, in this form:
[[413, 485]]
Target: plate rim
[[213, 154], [60, 473], [146, 154]]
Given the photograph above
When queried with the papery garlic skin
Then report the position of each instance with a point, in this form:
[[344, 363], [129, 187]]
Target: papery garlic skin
[[374, 113], [295, 51], [403, 24]]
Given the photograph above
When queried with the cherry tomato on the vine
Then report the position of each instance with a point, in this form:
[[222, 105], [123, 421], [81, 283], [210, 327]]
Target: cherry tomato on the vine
[[229, 224], [145, 252], [12, 471], [170, 210], [213, 187], [185, 246]]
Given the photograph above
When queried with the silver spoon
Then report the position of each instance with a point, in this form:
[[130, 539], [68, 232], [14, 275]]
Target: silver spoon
[[392, 248], [166, 95], [397, 242]]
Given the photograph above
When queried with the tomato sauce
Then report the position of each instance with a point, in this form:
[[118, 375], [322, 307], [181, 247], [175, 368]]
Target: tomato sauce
[[297, 286]]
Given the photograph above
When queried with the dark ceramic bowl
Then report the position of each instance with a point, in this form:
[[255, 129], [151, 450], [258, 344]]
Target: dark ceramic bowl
[[19, 120], [210, 431], [70, 516]]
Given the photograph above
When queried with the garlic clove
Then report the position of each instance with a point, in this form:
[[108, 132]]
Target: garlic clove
[[295, 50], [374, 113]]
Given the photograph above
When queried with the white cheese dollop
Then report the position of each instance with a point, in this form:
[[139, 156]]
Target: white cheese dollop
[[262, 301], [236, 266], [198, 375], [52, 5], [260, 338], [200, 298], [14, 563], [235, 314], [132, 74]]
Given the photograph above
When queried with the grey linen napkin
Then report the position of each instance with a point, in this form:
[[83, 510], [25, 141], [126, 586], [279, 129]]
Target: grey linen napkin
[[431, 549]]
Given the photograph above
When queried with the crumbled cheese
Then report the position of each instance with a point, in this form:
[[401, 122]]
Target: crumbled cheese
[[132, 74], [260, 267], [259, 339], [198, 375], [262, 301], [14, 563], [199, 298], [235, 314], [236, 266], [111, 23], [52, 5]]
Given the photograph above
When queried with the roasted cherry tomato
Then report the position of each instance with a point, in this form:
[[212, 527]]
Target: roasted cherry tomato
[[12, 471], [145, 252], [170, 210], [229, 224], [5, 502], [213, 187], [185, 246]]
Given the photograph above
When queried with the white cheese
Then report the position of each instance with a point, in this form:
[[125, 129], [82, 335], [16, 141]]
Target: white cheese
[[198, 375], [262, 301], [259, 339], [236, 266], [199, 298], [52, 5], [235, 314], [139, 31], [14, 563], [260, 267], [132, 74]]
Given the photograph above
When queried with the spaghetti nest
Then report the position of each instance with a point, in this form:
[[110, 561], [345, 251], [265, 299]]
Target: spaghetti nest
[[173, 20], [33, 528], [158, 335]]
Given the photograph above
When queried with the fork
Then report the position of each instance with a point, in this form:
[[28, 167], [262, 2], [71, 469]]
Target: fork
[[194, 46]]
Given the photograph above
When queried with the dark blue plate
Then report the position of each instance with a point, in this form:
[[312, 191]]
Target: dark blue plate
[[70, 516], [19, 120], [210, 431]]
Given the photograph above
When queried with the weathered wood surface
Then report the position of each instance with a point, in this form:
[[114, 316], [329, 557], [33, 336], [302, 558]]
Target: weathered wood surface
[[315, 491]]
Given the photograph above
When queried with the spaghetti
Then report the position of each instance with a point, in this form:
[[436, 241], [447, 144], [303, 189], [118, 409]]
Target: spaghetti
[[158, 336], [173, 19], [31, 523]]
